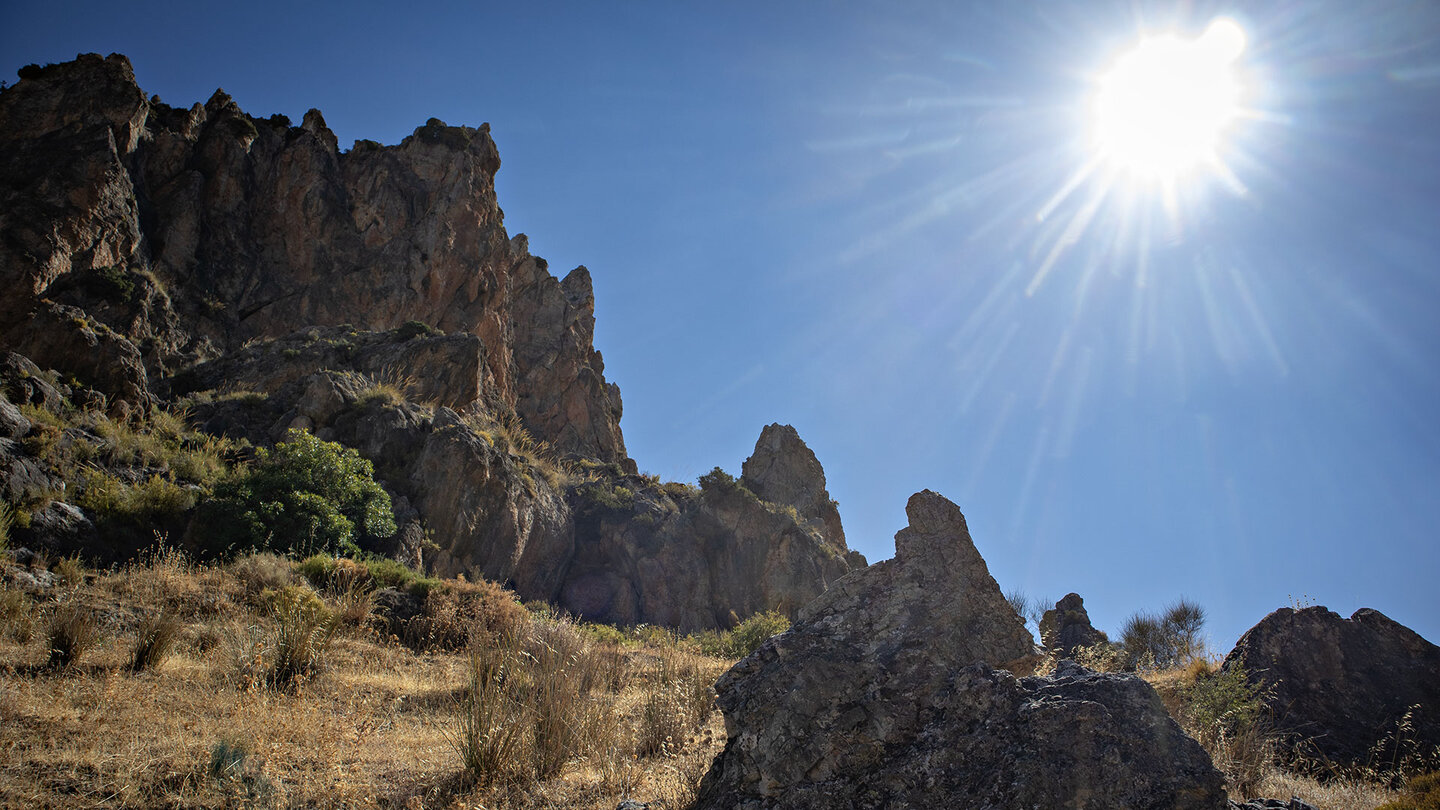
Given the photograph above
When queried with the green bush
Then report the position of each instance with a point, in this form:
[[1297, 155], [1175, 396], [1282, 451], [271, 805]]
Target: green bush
[[747, 637], [305, 496]]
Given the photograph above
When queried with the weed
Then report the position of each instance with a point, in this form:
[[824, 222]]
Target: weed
[[1421, 793], [263, 571], [16, 615], [491, 732], [155, 641], [304, 627], [70, 571], [7, 521], [73, 631]]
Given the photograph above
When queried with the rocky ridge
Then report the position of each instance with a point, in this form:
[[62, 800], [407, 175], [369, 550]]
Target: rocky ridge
[[251, 271]]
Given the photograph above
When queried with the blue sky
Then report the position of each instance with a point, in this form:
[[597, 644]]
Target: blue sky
[[826, 214]]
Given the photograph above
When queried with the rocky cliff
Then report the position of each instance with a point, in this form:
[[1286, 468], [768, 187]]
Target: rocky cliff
[[249, 269], [141, 238]]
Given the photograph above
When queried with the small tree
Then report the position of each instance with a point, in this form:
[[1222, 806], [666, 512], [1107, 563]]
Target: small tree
[[305, 496]]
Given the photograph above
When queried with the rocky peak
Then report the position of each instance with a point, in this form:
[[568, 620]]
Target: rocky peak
[[785, 471], [937, 586], [1066, 627]]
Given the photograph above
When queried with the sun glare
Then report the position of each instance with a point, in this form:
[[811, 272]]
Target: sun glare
[[1163, 108]]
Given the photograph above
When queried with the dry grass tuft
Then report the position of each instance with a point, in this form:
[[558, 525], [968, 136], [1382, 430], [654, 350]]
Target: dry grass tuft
[[154, 642], [73, 631]]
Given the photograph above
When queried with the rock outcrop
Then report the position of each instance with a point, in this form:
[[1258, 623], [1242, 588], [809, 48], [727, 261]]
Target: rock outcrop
[[141, 238], [1338, 686], [1066, 627], [252, 272], [783, 470], [886, 692]]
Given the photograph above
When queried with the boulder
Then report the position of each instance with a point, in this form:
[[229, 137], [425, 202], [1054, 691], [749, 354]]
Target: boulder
[[783, 470], [888, 692], [13, 423], [1066, 627], [1336, 687]]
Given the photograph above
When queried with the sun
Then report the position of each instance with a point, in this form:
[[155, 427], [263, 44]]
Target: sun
[[1163, 109]]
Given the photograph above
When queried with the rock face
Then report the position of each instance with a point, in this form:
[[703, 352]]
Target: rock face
[[694, 560], [140, 238], [885, 693], [783, 470], [1340, 685], [373, 298], [1066, 627], [621, 548]]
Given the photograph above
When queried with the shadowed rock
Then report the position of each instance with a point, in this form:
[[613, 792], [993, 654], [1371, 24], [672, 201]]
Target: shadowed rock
[[886, 693], [1337, 686], [1066, 627]]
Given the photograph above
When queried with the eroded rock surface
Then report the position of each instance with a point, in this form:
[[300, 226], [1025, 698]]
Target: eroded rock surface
[[784, 470], [1339, 685], [1066, 627], [887, 692], [141, 238]]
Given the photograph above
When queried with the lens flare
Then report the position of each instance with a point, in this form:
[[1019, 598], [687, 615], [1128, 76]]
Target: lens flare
[[1162, 109]]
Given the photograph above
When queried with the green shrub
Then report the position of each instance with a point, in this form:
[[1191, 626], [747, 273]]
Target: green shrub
[[317, 568], [717, 480], [1227, 713], [747, 637], [414, 329], [304, 496], [112, 282]]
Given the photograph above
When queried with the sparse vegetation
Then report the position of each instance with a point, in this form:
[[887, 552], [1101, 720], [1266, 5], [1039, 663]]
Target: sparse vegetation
[[224, 716], [1171, 639]]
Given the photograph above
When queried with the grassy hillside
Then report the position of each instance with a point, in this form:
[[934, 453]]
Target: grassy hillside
[[256, 688]]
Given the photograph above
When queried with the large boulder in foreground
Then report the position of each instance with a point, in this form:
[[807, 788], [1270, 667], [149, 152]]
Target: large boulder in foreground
[[1338, 686], [888, 692]]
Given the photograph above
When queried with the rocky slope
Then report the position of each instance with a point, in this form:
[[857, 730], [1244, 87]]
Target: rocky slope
[[372, 296]]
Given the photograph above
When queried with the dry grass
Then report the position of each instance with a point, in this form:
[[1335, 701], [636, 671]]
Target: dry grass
[[374, 727]]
